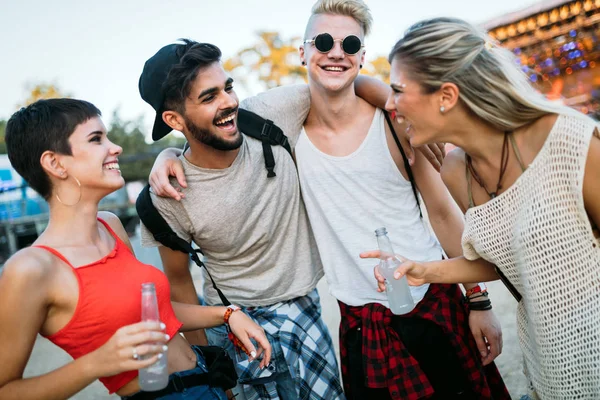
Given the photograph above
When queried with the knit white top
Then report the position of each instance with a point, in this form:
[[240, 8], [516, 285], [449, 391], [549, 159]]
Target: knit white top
[[538, 234]]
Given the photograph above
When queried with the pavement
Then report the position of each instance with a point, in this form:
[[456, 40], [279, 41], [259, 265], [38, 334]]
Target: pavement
[[47, 357]]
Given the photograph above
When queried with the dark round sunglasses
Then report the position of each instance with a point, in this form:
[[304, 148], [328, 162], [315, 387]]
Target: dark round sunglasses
[[324, 42]]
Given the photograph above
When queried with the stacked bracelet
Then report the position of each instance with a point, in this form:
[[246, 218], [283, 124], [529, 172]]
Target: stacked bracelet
[[479, 305], [478, 292]]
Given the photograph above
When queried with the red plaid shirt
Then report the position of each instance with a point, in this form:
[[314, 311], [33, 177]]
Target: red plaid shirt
[[401, 373]]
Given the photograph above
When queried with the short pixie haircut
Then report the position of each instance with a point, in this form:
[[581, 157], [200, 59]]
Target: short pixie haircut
[[45, 125]]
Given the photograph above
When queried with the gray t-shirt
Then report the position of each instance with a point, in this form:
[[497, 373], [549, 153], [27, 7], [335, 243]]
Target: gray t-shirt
[[253, 230]]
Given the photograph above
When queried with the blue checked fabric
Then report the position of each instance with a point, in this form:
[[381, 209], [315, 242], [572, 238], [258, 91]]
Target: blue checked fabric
[[297, 331]]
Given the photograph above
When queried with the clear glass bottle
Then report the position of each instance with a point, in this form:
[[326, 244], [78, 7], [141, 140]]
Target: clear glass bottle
[[156, 376], [398, 291]]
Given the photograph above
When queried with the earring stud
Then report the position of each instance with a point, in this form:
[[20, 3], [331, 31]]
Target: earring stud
[[303, 63], [442, 109]]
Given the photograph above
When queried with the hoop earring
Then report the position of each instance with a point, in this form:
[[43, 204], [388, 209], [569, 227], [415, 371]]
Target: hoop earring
[[78, 199]]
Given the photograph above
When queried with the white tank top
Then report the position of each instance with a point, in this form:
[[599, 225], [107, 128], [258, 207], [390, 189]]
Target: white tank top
[[347, 198], [538, 233]]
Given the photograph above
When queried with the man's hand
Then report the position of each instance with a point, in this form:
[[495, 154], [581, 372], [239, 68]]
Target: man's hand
[[487, 332], [167, 164], [434, 153]]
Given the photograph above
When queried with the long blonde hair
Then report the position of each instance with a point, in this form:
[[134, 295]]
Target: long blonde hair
[[490, 83]]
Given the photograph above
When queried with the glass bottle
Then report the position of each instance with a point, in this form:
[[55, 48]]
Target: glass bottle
[[156, 376], [398, 291]]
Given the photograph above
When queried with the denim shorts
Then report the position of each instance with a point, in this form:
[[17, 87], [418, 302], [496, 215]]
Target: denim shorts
[[203, 392]]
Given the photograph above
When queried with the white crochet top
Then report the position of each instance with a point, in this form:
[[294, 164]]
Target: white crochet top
[[538, 234]]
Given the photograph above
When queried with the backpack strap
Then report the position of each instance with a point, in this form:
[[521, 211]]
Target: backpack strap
[[163, 234], [411, 177], [267, 132]]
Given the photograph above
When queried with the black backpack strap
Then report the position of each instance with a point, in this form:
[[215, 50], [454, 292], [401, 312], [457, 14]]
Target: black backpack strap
[[267, 132], [267, 150], [405, 160], [163, 234]]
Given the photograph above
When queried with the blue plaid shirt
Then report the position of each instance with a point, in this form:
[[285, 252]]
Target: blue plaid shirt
[[299, 336]]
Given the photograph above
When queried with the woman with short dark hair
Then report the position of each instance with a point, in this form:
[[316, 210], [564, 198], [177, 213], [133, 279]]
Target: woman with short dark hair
[[79, 283]]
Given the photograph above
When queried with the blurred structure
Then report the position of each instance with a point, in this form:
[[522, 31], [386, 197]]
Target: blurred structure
[[557, 43]]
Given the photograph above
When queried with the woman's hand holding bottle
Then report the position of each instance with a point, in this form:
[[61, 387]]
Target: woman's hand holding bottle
[[414, 271], [131, 347]]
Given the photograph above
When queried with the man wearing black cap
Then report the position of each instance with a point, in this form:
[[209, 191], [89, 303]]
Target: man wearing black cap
[[253, 230]]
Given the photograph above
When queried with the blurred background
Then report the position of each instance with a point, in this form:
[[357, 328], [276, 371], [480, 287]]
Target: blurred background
[[95, 50]]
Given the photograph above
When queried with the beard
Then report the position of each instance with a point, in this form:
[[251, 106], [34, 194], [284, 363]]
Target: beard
[[210, 138]]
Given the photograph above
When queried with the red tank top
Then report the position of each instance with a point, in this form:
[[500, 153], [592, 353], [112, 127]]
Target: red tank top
[[110, 298]]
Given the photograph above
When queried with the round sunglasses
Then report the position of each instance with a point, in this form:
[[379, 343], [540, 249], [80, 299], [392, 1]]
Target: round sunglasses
[[324, 42]]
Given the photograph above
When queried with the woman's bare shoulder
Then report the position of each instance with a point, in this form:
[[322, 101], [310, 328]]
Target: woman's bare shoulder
[[453, 167], [30, 266], [453, 175], [116, 225]]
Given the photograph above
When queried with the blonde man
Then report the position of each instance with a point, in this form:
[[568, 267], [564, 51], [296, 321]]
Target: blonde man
[[353, 180]]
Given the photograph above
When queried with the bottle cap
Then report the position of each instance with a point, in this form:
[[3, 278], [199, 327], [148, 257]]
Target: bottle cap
[[381, 231]]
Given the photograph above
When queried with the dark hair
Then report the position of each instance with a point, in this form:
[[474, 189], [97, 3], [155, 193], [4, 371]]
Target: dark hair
[[193, 56], [42, 126]]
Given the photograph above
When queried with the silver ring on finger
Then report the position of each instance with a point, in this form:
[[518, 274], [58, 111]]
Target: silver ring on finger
[[135, 355]]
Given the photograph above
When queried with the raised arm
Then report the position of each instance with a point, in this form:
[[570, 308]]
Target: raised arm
[[167, 164], [26, 295]]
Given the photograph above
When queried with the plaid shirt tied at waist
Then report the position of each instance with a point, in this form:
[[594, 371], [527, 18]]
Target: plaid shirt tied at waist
[[389, 364], [295, 330]]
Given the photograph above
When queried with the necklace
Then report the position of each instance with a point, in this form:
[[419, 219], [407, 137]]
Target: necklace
[[503, 165]]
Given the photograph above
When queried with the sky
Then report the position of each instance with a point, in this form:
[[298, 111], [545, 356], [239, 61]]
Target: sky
[[95, 50]]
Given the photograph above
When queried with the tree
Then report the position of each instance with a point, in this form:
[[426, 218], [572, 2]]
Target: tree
[[138, 156], [2, 133], [35, 92], [40, 91], [273, 60], [378, 68]]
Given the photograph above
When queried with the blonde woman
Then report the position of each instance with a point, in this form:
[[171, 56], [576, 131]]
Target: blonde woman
[[527, 176]]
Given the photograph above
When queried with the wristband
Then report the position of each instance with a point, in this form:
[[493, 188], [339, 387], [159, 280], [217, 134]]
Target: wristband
[[236, 342], [230, 309], [480, 288]]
